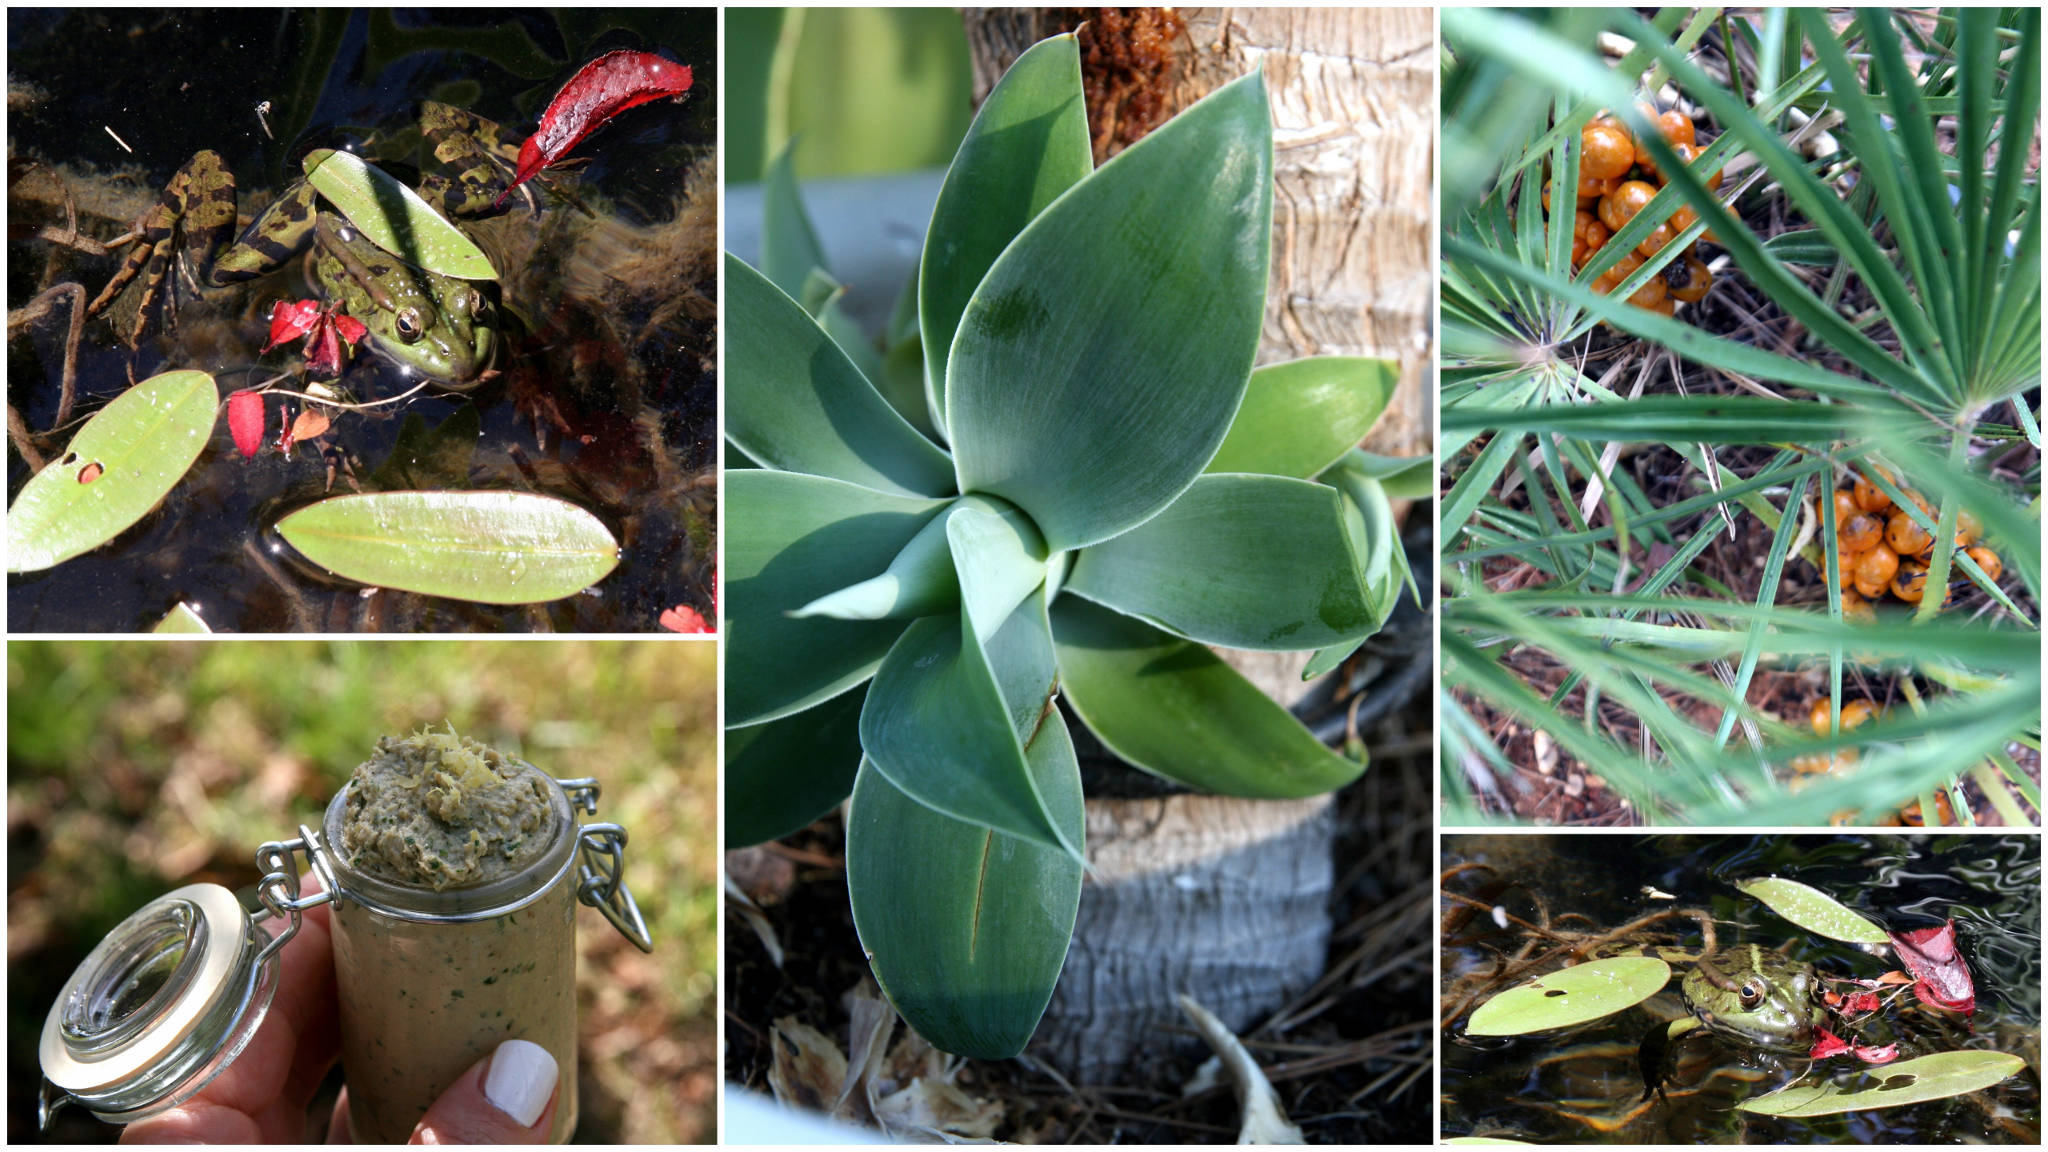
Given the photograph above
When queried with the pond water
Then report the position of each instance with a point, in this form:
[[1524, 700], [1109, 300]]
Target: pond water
[[605, 394], [1585, 1084]]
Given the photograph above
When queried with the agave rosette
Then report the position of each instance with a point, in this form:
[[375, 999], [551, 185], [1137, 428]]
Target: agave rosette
[[1113, 489]]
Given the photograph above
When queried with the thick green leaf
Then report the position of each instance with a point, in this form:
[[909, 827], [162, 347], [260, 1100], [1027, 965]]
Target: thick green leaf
[[393, 217], [1936, 1077], [795, 402], [1027, 145], [1590, 991], [125, 459], [487, 547], [937, 726], [1814, 910], [1000, 558], [182, 619], [789, 245], [790, 539], [1300, 417], [1098, 365], [1246, 561], [923, 579], [782, 775], [965, 928], [1174, 709]]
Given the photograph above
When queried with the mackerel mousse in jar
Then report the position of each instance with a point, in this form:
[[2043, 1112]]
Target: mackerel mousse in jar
[[453, 929]]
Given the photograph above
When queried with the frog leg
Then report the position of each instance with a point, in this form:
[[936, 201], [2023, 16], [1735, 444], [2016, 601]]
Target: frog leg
[[199, 202], [473, 164], [1654, 1056], [282, 231]]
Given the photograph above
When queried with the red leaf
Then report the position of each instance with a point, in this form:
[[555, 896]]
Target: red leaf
[[324, 354], [601, 90], [1860, 1004], [1942, 975], [1827, 1044], [245, 421], [684, 619], [290, 320], [351, 329], [1874, 1054]]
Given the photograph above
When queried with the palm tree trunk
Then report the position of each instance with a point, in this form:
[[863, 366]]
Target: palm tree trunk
[[1227, 900]]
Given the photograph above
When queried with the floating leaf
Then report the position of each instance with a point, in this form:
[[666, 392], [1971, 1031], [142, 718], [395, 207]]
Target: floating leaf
[[245, 422], [124, 460], [1575, 995], [1814, 910], [599, 91], [393, 217], [182, 619], [1936, 1077], [488, 547]]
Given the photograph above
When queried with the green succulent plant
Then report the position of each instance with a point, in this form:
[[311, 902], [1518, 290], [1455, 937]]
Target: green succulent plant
[[1108, 487]]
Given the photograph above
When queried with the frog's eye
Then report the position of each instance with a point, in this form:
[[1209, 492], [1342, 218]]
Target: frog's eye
[[1752, 994], [479, 305], [408, 321]]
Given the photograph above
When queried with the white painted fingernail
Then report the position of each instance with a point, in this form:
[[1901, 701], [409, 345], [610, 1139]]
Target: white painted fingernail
[[521, 1079]]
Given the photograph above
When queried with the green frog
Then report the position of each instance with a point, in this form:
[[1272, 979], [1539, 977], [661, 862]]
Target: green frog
[[1756, 998], [439, 327]]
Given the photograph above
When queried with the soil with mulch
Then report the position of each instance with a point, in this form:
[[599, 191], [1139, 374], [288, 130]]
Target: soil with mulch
[[1352, 1068]]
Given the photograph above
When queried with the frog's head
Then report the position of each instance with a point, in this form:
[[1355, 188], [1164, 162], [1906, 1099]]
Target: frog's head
[[448, 335], [1754, 997], [438, 327]]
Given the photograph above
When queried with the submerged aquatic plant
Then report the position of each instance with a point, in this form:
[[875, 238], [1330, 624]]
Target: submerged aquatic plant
[[1105, 487]]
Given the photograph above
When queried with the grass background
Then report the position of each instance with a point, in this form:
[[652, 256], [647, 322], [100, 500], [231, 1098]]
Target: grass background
[[136, 767]]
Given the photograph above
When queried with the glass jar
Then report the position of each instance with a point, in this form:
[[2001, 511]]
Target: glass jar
[[430, 982]]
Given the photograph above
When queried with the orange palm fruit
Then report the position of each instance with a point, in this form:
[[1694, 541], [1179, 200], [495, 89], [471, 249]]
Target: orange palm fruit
[[1906, 536]]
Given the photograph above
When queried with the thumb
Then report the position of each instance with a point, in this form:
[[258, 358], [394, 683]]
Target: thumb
[[506, 1098]]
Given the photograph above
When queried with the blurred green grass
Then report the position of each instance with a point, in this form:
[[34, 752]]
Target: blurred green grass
[[137, 766]]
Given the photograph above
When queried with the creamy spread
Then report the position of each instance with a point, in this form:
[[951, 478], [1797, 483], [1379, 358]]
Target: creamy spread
[[438, 810], [438, 815]]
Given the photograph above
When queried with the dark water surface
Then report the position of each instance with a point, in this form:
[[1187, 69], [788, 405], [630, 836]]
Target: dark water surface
[[609, 392]]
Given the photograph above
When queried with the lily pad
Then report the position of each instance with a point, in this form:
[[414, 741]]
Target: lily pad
[[393, 217], [1575, 995], [122, 462], [1935, 1077], [1814, 910], [487, 547]]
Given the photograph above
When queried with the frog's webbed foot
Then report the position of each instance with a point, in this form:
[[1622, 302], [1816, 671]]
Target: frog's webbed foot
[[1654, 1055], [199, 203]]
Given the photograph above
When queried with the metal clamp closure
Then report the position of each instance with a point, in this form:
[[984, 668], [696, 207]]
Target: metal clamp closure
[[278, 891], [600, 877]]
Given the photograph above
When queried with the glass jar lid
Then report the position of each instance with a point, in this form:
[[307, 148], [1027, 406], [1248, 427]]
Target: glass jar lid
[[160, 1007]]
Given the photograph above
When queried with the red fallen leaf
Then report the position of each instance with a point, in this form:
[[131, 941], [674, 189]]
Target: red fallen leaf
[[311, 425], [599, 91], [245, 421], [1942, 976], [1860, 1004], [91, 472], [1827, 1044], [684, 619], [1874, 1054], [291, 319], [330, 334]]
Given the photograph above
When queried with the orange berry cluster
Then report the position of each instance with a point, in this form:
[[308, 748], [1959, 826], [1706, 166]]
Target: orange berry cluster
[[1856, 713], [1616, 181], [1882, 548]]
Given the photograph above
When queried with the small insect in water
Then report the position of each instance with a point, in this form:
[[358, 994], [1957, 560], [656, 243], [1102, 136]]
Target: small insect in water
[[263, 118]]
